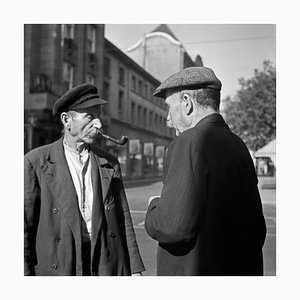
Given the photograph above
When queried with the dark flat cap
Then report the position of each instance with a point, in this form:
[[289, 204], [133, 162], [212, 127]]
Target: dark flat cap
[[81, 96], [189, 78]]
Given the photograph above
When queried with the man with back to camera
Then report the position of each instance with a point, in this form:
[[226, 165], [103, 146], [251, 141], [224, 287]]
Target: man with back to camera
[[77, 220], [209, 218]]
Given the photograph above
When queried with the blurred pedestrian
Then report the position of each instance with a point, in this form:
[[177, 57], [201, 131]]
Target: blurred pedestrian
[[77, 220], [208, 219]]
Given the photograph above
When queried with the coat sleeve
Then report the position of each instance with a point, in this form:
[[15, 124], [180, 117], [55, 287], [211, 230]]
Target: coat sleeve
[[31, 208], [136, 263], [177, 216]]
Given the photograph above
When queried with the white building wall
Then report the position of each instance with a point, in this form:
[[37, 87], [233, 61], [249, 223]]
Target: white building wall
[[159, 54]]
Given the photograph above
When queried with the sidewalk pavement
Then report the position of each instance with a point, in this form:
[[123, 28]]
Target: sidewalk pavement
[[129, 183]]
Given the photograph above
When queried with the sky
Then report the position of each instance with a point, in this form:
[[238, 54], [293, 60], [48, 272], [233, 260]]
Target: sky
[[231, 50]]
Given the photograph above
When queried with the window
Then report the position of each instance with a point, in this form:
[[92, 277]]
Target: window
[[120, 104], [156, 121], [68, 73], [105, 97], [91, 39], [150, 119], [106, 90], [121, 76], [107, 67], [133, 112], [140, 87], [139, 115], [145, 117], [133, 83], [90, 78], [146, 90], [151, 94], [68, 31]]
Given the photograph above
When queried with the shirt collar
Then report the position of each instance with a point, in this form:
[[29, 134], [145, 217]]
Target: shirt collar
[[81, 150]]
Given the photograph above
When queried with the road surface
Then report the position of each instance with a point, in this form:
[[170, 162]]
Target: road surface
[[138, 201]]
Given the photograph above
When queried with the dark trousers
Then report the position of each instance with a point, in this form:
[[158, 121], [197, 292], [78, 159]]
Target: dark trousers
[[86, 258]]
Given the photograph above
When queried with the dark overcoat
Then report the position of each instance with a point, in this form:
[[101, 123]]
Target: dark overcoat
[[209, 219], [53, 241]]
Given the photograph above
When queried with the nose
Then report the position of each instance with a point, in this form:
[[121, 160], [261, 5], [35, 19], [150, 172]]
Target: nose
[[97, 123], [169, 121]]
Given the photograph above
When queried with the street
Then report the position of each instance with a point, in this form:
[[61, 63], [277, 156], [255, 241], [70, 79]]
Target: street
[[138, 201]]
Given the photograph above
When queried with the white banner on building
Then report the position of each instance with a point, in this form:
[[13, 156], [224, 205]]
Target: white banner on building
[[148, 149], [134, 146], [160, 150]]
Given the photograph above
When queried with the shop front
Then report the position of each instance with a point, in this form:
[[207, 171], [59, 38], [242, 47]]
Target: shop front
[[142, 156]]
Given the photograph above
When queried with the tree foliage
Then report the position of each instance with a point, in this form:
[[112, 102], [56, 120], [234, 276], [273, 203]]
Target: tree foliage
[[251, 114]]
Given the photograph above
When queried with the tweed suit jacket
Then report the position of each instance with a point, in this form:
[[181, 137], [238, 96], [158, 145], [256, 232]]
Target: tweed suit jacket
[[53, 241], [209, 218]]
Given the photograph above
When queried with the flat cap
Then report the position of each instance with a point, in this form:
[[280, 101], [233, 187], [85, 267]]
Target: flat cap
[[189, 78], [81, 96]]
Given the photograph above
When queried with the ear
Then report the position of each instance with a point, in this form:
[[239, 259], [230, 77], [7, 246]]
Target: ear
[[188, 103], [65, 119]]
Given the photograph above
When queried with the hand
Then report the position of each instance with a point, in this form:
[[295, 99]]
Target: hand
[[151, 198], [137, 274]]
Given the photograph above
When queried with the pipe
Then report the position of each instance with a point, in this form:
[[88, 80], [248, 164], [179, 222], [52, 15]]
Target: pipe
[[121, 141]]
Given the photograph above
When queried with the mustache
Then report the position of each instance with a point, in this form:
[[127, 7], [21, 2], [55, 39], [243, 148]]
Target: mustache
[[93, 132], [91, 127]]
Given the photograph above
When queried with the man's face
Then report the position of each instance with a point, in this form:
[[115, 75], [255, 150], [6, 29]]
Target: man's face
[[85, 124], [176, 115]]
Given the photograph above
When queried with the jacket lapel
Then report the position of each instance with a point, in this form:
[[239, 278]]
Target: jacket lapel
[[106, 175], [61, 184], [101, 180], [97, 211]]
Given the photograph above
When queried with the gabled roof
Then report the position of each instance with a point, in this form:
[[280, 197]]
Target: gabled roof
[[164, 28]]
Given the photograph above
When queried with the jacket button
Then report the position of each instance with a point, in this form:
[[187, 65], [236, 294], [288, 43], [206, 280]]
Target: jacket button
[[55, 210], [57, 239], [112, 235], [54, 266], [106, 207]]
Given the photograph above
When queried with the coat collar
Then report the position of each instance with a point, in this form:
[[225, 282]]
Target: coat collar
[[212, 118]]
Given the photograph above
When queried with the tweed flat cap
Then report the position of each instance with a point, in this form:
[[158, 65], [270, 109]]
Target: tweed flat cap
[[81, 96], [189, 78]]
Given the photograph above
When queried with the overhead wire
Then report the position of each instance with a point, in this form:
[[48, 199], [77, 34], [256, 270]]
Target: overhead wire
[[208, 42]]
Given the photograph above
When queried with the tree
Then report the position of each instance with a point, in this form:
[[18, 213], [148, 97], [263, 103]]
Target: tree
[[252, 112]]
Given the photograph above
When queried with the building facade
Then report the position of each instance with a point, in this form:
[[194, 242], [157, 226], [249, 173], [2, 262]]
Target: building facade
[[60, 56], [134, 111], [162, 54], [56, 58]]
